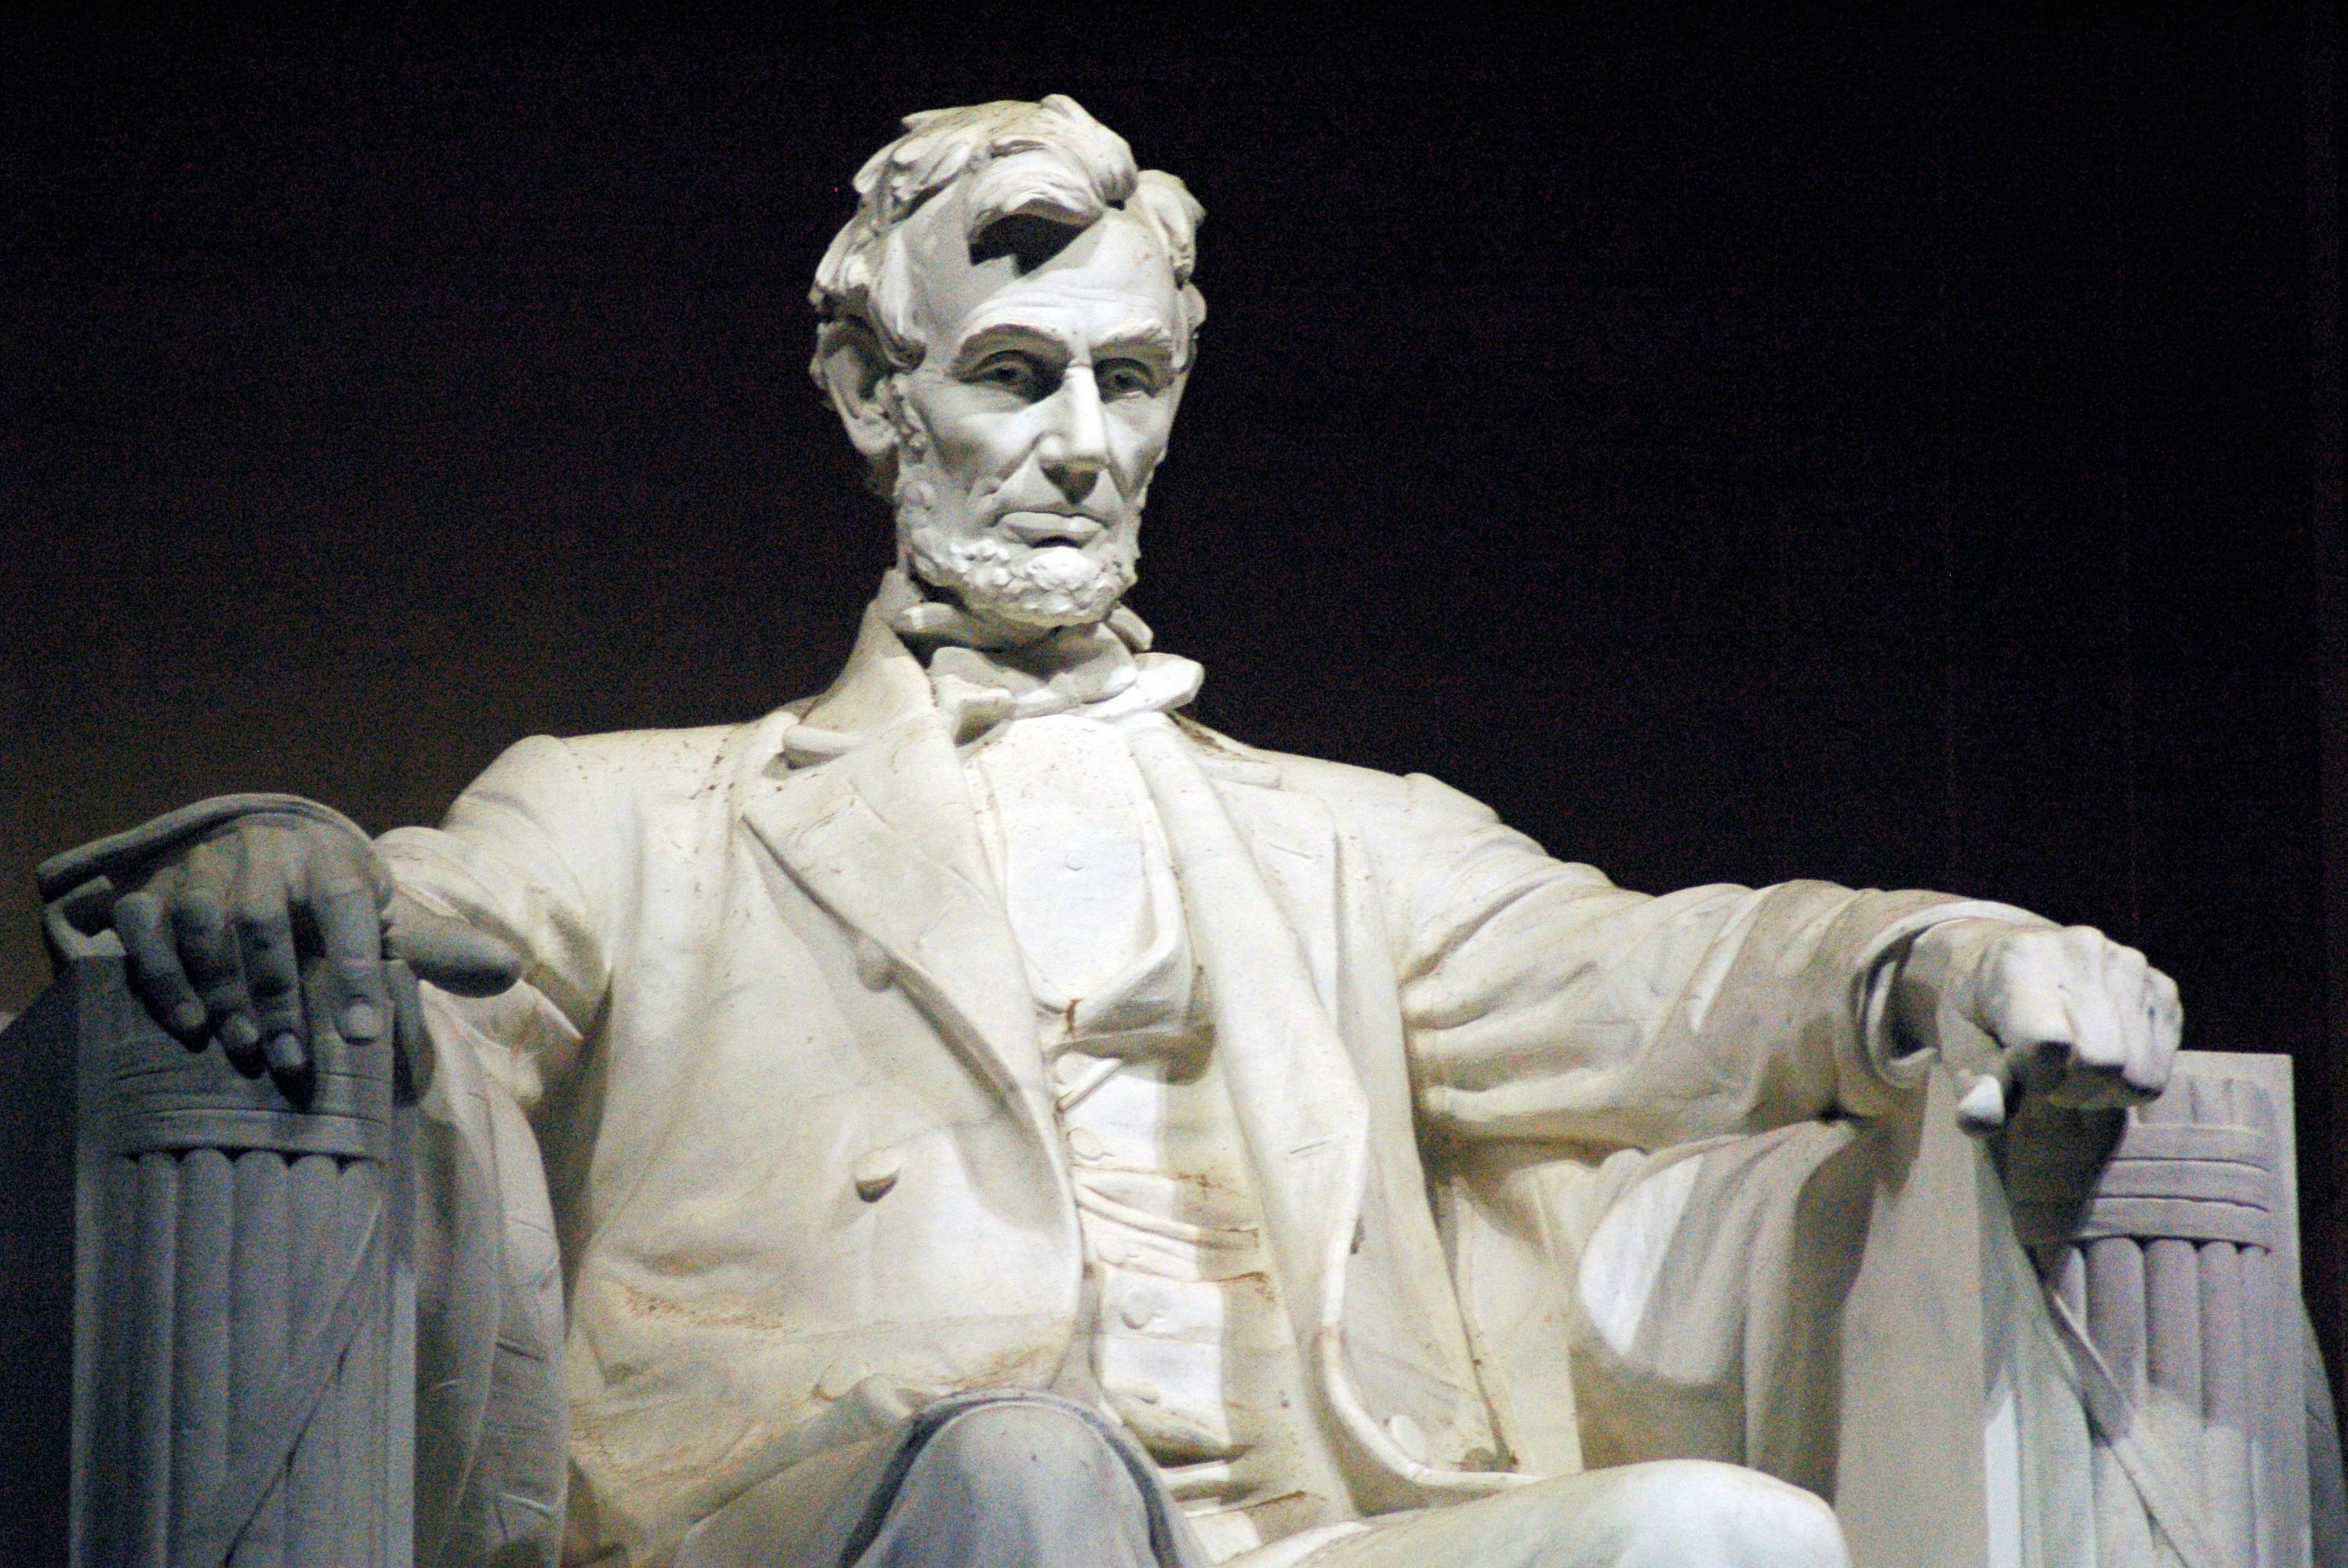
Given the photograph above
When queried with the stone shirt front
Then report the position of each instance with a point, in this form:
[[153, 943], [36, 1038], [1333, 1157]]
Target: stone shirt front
[[1189, 1343]]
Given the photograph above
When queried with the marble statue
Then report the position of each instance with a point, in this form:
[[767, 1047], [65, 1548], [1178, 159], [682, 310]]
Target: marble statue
[[979, 1116]]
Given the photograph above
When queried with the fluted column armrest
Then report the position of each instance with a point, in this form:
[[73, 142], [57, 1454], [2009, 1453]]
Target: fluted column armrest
[[243, 1308]]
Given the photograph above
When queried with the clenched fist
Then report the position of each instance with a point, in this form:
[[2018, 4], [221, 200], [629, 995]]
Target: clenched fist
[[2060, 1013]]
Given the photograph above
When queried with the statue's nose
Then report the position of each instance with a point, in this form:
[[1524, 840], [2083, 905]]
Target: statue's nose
[[1076, 450], [1074, 476]]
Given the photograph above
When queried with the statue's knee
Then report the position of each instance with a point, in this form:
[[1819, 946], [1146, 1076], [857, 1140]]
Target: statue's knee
[[1694, 1513], [1023, 1458]]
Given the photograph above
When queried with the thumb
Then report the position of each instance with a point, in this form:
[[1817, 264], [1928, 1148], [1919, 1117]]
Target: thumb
[[450, 953]]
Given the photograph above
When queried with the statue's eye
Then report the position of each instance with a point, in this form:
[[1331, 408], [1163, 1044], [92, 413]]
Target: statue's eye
[[1126, 379], [1014, 373]]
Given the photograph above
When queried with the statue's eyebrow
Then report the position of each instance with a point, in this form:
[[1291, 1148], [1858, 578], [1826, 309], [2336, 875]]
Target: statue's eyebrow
[[1145, 340], [995, 338], [1137, 340]]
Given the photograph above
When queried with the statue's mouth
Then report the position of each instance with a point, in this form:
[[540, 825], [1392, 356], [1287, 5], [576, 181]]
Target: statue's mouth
[[1039, 528]]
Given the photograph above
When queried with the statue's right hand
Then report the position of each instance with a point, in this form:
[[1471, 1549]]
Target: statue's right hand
[[218, 936]]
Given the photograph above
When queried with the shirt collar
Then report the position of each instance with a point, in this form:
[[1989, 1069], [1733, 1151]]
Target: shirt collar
[[913, 651]]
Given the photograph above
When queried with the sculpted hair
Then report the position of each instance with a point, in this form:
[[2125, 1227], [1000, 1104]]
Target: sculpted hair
[[1048, 161]]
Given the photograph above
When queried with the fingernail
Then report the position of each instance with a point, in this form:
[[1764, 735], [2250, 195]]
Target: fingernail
[[284, 1053], [239, 1035], [187, 1017], [361, 1021]]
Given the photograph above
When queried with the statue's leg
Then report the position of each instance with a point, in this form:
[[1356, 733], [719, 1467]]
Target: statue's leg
[[1682, 1513], [1014, 1483], [998, 1478]]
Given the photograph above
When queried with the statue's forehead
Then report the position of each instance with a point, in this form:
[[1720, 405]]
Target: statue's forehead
[[1117, 267]]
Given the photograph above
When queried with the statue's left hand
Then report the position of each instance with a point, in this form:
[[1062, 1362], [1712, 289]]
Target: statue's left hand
[[2059, 1014]]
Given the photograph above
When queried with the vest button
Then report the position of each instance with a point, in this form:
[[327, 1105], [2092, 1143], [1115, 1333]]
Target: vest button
[[1138, 1307], [872, 966], [876, 1172]]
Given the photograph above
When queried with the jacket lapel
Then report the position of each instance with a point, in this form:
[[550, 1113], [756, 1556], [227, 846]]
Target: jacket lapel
[[1259, 871], [883, 835], [1301, 1107], [1293, 843]]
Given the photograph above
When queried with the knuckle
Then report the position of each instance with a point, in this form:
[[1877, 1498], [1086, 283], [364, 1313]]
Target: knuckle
[[2102, 1048], [266, 974], [276, 1012], [199, 916], [355, 973], [224, 996], [332, 874], [139, 911]]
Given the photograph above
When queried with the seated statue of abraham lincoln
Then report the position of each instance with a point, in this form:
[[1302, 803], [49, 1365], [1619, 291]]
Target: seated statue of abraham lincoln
[[979, 1118]]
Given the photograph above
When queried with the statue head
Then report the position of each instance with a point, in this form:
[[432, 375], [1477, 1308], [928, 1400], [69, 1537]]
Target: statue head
[[1007, 324]]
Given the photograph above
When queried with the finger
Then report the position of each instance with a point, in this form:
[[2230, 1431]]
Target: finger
[[2164, 1027], [2116, 1037], [264, 936], [2133, 1052], [2168, 1009], [208, 946], [2112, 1067], [2108, 1026], [2025, 1010], [350, 940], [296, 1076], [2113, 1060], [449, 954], [155, 970]]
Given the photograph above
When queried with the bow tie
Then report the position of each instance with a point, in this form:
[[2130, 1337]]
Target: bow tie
[[1102, 671]]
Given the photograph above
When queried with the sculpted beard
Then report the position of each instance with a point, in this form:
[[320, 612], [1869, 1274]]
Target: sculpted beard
[[947, 545]]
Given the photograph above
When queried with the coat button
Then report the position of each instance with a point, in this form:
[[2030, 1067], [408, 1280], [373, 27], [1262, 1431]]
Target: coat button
[[872, 966], [838, 1378], [876, 1172]]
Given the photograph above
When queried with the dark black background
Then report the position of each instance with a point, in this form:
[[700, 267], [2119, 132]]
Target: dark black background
[[1880, 451]]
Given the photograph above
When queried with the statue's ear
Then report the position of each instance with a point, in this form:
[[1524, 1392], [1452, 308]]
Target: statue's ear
[[852, 368]]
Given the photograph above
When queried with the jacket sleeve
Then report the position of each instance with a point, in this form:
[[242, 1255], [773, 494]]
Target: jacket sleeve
[[1541, 1002], [524, 854]]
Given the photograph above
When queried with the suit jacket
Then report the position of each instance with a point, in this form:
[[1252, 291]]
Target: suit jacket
[[775, 1055]]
